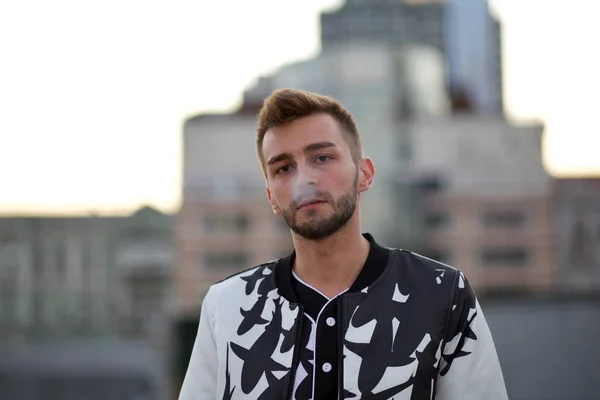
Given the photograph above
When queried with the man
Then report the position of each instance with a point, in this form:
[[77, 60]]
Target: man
[[341, 317]]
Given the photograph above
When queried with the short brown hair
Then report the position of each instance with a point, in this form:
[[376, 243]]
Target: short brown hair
[[287, 105]]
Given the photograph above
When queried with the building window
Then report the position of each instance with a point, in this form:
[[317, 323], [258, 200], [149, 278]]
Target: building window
[[7, 238], [227, 223], [505, 256], [226, 260], [436, 220], [8, 293], [503, 218], [430, 185], [61, 258], [582, 245]]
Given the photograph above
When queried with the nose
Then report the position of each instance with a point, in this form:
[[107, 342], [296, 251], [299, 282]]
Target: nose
[[306, 176]]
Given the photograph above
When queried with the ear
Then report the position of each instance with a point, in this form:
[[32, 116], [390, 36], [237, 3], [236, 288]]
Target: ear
[[366, 172], [272, 201]]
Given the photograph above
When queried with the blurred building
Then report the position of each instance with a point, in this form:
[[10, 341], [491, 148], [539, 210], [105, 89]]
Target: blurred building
[[577, 208], [94, 279], [464, 32], [225, 223], [84, 276], [485, 201]]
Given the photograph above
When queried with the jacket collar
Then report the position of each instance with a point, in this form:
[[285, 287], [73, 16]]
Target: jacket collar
[[373, 268]]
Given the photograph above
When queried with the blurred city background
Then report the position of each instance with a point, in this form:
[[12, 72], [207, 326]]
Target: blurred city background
[[129, 181]]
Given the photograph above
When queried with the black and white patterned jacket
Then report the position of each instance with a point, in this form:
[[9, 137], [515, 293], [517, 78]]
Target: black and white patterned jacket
[[411, 329]]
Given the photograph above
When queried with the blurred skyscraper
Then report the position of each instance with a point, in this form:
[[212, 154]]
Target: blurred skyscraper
[[463, 31], [474, 55]]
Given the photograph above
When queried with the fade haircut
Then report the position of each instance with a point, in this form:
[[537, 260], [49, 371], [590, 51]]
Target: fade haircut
[[286, 105]]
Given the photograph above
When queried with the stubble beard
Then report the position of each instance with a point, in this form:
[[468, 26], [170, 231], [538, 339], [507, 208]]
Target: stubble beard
[[320, 227]]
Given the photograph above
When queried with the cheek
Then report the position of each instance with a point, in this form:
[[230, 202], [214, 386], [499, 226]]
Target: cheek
[[338, 184], [341, 184], [280, 193], [345, 179]]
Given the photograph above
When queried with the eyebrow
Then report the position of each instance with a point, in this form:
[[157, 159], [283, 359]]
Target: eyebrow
[[308, 149]]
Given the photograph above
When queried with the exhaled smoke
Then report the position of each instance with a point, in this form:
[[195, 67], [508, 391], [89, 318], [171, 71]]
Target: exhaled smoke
[[302, 191]]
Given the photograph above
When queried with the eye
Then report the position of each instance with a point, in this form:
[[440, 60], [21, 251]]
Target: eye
[[323, 158], [283, 170]]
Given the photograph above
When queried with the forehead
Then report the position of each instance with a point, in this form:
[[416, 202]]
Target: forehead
[[295, 136]]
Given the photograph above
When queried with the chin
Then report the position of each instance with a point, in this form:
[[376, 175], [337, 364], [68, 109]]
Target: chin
[[313, 217]]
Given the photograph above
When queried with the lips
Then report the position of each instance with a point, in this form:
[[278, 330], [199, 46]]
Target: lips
[[309, 202]]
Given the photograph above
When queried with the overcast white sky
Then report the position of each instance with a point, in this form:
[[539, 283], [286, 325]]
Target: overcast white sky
[[93, 94]]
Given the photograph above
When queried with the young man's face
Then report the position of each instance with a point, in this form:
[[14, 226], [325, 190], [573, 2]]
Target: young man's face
[[312, 180]]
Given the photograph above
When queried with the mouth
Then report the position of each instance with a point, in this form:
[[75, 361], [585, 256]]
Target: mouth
[[309, 202]]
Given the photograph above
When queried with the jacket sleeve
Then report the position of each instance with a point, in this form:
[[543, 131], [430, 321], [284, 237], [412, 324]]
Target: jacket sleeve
[[200, 382], [469, 367]]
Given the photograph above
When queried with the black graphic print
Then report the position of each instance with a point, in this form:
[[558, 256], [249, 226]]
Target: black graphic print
[[273, 390], [375, 363], [228, 392], [251, 280], [409, 327], [260, 353], [253, 316], [400, 335], [460, 330], [397, 329], [304, 389], [260, 358]]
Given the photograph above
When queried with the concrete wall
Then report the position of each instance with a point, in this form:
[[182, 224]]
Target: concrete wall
[[577, 241], [82, 370], [548, 350]]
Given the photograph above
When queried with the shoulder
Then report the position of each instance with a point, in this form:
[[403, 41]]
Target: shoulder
[[445, 276], [407, 258], [412, 266], [241, 283]]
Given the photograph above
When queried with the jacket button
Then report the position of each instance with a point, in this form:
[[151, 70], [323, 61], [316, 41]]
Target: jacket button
[[330, 321], [326, 367]]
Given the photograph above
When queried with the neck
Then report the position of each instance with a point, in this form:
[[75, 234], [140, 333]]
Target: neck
[[332, 264]]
